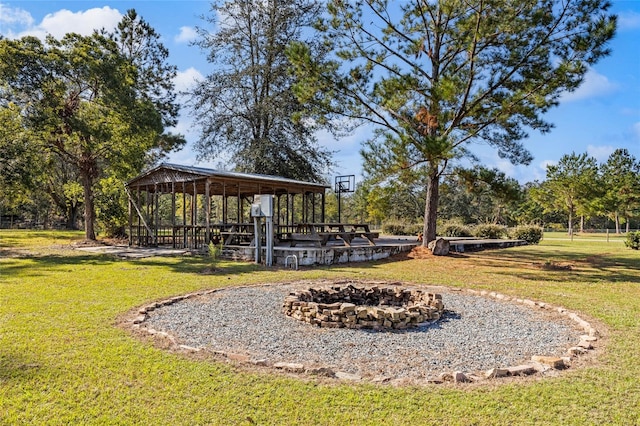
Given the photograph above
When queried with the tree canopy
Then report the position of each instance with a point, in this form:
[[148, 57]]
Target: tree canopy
[[621, 184], [246, 107], [436, 76], [89, 100], [571, 186]]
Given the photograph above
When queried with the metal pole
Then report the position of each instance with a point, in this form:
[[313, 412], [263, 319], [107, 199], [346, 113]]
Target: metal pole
[[269, 226], [257, 237]]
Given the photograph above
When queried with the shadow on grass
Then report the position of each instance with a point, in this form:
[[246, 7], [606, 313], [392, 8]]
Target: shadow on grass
[[24, 238], [518, 263], [29, 264], [17, 368], [529, 265], [36, 265]]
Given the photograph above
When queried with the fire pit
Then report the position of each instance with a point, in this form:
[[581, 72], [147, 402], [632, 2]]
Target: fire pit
[[374, 307]]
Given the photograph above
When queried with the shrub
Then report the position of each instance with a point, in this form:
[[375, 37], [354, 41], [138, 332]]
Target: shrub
[[455, 229], [400, 228], [557, 227], [215, 251], [489, 231], [532, 234], [633, 240]]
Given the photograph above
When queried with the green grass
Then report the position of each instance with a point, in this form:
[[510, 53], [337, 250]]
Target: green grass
[[63, 361]]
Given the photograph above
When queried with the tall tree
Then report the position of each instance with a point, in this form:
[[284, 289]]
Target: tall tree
[[570, 187], [89, 102], [436, 76], [245, 107], [493, 193], [621, 179]]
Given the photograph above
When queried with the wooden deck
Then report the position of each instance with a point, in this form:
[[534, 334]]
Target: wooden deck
[[472, 244]]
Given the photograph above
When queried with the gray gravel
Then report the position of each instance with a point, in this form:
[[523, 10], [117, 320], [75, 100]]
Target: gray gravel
[[475, 334]]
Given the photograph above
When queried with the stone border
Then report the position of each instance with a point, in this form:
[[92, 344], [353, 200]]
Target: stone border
[[538, 364], [373, 307]]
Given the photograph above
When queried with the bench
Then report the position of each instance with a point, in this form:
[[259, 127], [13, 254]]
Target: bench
[[369, 236], [317, 239], [229, 236]]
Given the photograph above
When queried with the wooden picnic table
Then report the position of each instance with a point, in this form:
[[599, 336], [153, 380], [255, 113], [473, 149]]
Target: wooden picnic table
[[321, 233], [238, 232]]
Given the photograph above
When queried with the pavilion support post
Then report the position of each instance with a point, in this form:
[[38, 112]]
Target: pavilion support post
[[293, 201], [173, 213], [207, 196], [148, 199], [130, 221], [239, 204], [224, 203], [194, 217], [313, 207], [287, 212], [156, 217], [305, 207], [138, 200], [323, 208], [184, 215], [278, 209]]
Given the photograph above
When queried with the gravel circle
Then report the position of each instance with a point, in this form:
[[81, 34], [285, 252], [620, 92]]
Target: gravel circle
[[475, 334]]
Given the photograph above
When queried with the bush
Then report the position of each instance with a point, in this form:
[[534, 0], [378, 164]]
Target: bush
[[215, 251], [400, 228], [489, 231], [532, 234], [455, 229], [556, 227], [633, 240]]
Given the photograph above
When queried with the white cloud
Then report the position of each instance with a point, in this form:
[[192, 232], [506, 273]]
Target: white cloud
[[629, 20], [185, 79], [594, 85], [546, 163], [600, 153], [61, 22], [539, 173], [186, 35], [12, 16], [505, 166]]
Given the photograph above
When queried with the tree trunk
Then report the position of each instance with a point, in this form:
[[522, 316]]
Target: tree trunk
[[89, 213], [627, 225], [570, 222], [617, 217], [72, 217], [582, 223], [431, 208]]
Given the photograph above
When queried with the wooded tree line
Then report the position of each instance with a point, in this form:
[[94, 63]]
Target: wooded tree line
[[577, 192], [431, 77]]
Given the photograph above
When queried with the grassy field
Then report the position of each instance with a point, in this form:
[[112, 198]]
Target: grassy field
[[63, 361]]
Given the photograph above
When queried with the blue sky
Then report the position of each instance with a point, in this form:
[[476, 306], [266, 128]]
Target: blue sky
[[601, 116]]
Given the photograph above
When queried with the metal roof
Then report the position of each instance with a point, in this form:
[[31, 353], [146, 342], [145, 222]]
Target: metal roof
[[167, 173]]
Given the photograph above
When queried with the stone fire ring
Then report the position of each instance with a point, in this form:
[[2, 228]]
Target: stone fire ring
[[185, 324], [377, 308]]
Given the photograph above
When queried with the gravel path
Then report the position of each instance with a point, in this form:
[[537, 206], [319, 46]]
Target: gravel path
[[475, 334]]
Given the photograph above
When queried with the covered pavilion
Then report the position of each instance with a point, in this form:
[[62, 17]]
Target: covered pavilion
[[188, 207]]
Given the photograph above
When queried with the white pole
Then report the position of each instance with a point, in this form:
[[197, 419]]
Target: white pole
[[256, 235], [269, 230]]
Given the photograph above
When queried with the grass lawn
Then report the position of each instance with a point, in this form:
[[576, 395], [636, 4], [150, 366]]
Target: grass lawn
[[62, 360]]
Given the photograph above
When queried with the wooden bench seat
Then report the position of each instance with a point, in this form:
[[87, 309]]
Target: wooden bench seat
[[369, 236], [229, 236], [317, 239]]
